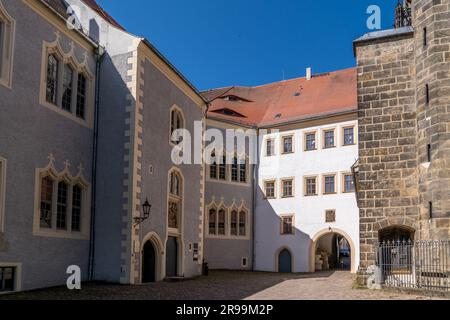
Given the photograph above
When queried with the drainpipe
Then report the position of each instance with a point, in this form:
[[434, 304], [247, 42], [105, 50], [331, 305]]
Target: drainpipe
[[99, 54], [255, 192]]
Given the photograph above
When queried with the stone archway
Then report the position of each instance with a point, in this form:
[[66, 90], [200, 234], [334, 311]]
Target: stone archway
[[156, 242], [319, 235]]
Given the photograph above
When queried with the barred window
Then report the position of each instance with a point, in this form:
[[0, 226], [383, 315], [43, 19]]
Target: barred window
[[52, 79], [81, 96], [67, 88], [46, 202], [61, 212]]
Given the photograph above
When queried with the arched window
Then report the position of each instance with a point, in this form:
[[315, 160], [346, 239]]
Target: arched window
[[176, 123], [61, 210], [175, 200], [77, 199]]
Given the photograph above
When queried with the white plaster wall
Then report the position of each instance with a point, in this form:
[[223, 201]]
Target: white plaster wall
[[309, 211]]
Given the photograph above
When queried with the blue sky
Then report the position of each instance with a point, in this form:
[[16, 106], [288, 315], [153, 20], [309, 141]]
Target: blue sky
[[217, 43]]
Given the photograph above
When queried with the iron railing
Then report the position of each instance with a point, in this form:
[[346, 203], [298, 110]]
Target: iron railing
[[421, 265]]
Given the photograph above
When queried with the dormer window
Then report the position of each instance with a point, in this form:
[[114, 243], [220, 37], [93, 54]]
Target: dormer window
[[229, 112]]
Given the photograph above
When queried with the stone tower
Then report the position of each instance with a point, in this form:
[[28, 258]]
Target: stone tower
[[403, 173]]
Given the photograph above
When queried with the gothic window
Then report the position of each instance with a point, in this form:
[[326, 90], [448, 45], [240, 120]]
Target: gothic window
[[176, 123], [221, 222], [242, 170], [52, 79], [67, 88], [175, 200]]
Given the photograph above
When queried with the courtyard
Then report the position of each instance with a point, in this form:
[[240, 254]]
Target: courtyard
[[227, 285]]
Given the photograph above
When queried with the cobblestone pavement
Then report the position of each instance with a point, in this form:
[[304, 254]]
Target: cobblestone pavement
[[227, 285]]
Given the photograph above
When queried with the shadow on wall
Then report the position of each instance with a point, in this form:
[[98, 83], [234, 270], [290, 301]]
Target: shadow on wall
[[297, 252]]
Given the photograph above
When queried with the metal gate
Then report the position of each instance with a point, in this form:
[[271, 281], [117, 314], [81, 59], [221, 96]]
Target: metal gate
[[415, 264]]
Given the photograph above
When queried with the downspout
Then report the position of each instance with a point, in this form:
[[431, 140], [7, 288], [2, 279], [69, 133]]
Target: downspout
[[99, 54], [255, 193]]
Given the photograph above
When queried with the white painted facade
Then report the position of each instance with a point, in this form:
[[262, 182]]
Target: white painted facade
[[308, 211]]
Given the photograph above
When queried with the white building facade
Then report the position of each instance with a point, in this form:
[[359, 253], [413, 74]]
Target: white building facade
[[306, 195]]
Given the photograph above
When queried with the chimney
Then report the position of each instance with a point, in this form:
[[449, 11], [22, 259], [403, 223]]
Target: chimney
[[308, 74]]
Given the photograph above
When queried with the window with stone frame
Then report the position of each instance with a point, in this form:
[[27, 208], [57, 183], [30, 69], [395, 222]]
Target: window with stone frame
[[330, 216], [349, 136], [235, 170], [329, 139], [310, 186], [242, 223], [243, 170], [7, 279], [287, 225], [67, 88], [269, 189], [52, 79], [234, 223], [221, 222], [310, 141], [212, 221], [175, 200], [270, 147], [288, 146], [176, 123], [81, 96], [287, 187], [349, 184], [77, 199], [61, 209], [46, 211], [329, 184], [213, 167], [223, 168], [7, 30]]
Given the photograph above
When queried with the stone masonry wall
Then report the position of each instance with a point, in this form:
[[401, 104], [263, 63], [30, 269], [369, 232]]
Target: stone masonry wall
[[388, 188], [432, 60]]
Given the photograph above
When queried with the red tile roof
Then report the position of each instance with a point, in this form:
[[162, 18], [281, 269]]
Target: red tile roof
[[285, 101]]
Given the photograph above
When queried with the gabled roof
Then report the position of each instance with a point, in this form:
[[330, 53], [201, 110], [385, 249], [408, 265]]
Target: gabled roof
[[286, 101]]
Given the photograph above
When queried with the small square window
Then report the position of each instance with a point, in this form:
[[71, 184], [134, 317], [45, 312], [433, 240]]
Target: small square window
[[311, 186], [288, 144], [330, 216], [7, 279], [310, 141], [270, 147], [244, 262], [328, 137], [287, 225], [329, 182], [349, 185], [349, 136], [288, 188], [269, 187]]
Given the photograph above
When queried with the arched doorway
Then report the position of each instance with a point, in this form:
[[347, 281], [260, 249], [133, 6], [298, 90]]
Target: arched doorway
[[172, 257], [285, 261], [148, 263], [333, 250], [396, 233]]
